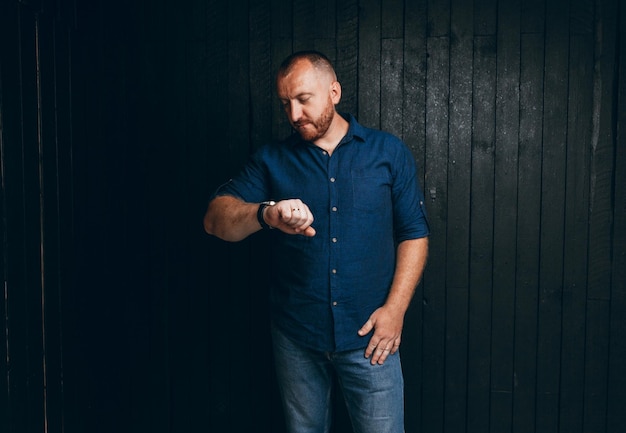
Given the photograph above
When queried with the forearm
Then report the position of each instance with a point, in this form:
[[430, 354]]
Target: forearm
[[410, 263], [231, 219], [387, 321]]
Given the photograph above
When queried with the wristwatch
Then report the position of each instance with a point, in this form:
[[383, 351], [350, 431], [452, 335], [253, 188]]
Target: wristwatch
[[259, 214]]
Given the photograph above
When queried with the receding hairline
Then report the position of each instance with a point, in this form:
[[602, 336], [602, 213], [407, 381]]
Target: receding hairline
[[319, 61]]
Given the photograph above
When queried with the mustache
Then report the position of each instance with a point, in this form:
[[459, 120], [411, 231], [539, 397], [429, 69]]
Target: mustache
[[301, 123]]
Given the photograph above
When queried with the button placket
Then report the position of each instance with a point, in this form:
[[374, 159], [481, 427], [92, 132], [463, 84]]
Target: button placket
[[333, 218]]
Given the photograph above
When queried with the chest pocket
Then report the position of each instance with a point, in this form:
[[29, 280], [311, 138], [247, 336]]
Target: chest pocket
[[371, 191]]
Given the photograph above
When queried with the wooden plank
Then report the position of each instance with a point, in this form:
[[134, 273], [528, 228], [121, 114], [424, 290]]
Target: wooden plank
[[580, 106], [528, 230], [152, 385], [29, 313], [481, 234], [602, 142], [155, 358], [325, 30], [552, 217], [485, 17], [532, 16], [64, 129], [14, 408], [76, 377], [413, 134], [49, 224], [248, 322], [282, 19], [106, 202], [392, 91], [601, 204], [596, 362], [262, 82], [415, 63], [369, 64], [281, 45], [392, 55], [392, 19], [66, 251], [220, 254], [438, 18], [244, 315], [505, 215], [434, 313], [458, 224], [192, 36], [281, 128], [616, 416], [112, 259], [324, 16], [346, 63], [66, 14], [303, 34]]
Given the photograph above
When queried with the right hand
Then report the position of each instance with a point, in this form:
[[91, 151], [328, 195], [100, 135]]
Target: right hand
[[291, 216]]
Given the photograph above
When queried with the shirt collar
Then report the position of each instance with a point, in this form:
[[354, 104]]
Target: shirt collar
[[355, 130]]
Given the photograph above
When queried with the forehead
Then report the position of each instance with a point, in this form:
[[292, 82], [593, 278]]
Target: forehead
[[301, 77]]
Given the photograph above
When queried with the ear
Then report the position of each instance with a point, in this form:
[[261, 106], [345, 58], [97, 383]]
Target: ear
[[335, 92]]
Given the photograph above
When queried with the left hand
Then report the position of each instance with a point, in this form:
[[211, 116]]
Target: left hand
[[385, 341], [291, 216]]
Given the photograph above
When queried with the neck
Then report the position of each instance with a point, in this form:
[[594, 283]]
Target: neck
[[337, 130]]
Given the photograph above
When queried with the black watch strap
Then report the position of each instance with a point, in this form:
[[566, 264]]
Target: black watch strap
[[259, 214]]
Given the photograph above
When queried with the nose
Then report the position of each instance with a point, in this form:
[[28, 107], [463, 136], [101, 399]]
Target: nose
[[294, 111]]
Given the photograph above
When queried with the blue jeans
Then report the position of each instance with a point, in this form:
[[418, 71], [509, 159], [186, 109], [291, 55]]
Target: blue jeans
[[374, 394]]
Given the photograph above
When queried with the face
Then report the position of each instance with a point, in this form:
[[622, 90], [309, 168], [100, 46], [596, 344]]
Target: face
[[309, 97]]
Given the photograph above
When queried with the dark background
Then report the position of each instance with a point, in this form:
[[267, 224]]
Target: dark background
[[119, 118]]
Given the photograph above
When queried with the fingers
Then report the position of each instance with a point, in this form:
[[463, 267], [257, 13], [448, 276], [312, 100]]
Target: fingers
[[376, 349], [295, 213], [294, 217], [380, 350]]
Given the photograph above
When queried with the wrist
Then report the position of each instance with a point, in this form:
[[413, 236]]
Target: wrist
[[260, 214]]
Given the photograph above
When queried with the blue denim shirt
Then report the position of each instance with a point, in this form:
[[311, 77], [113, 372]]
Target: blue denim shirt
[[365, 199]]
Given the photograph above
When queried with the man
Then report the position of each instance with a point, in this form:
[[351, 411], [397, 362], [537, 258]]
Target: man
[[345, 214]]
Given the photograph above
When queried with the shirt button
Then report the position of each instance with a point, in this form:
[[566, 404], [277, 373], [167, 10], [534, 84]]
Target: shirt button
[[332, 179], [334, 240], [334, 209], [334, 303], [334, 271]]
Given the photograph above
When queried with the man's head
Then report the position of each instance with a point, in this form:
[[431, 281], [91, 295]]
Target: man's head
[[308, 89]]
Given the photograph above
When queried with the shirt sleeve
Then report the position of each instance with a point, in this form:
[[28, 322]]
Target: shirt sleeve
[[410, 221], [251, 183]]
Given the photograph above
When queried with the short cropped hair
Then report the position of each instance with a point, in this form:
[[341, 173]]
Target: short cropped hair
[[317, 59]]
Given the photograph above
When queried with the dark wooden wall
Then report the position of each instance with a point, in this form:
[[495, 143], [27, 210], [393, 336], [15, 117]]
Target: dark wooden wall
[[119, 118]]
